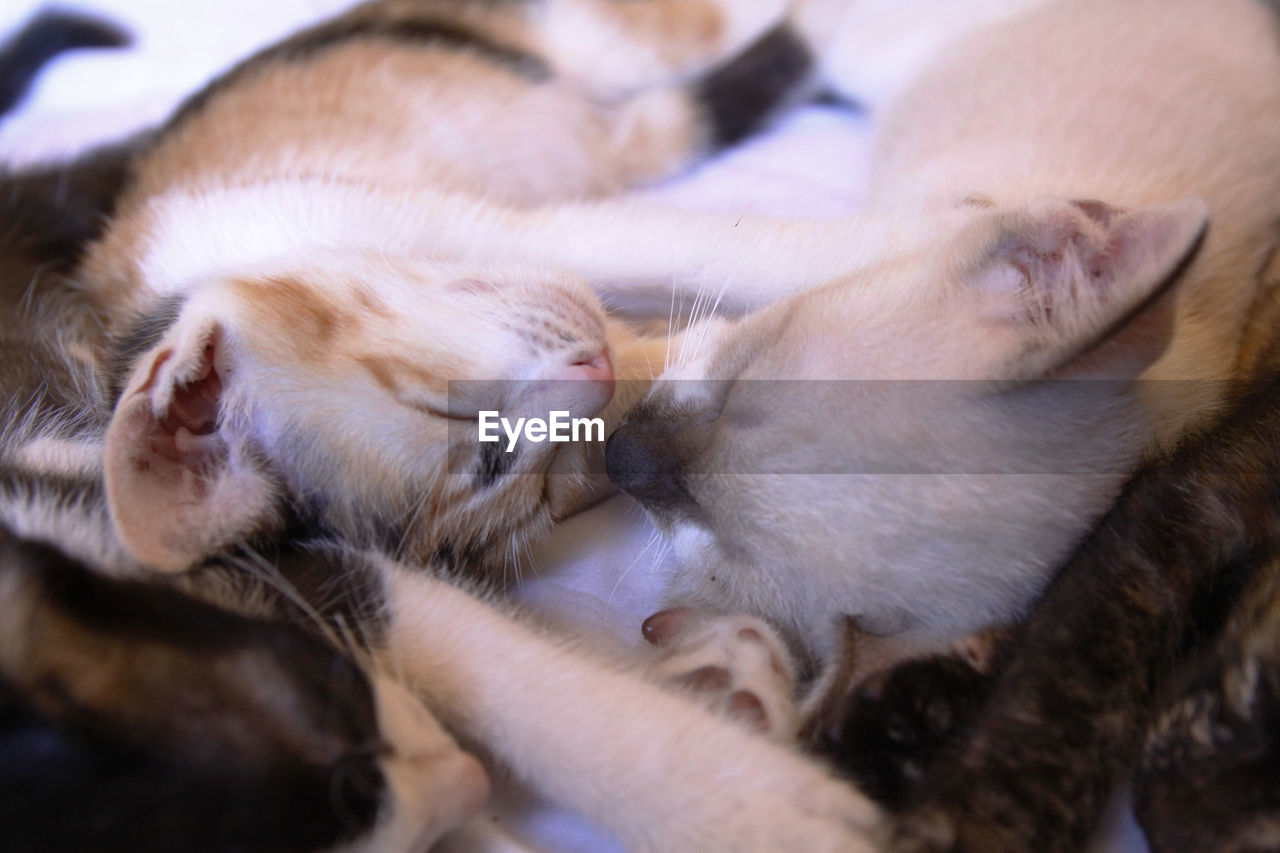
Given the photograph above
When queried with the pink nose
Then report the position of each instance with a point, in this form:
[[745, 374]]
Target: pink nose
[[597, 369]]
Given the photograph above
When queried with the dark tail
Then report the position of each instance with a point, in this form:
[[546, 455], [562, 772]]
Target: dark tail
[[51, 212], [44, 37], [745, 94]]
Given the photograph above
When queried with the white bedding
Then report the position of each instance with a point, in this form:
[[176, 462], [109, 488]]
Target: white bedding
[[599, 574]]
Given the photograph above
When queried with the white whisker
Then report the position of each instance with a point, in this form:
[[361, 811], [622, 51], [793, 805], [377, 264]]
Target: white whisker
[[653, 538]]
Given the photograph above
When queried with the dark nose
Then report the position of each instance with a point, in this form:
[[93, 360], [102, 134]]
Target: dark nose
[[642, 463]]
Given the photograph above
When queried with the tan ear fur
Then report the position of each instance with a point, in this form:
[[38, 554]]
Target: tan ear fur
[[1063, 277], [178, 488]]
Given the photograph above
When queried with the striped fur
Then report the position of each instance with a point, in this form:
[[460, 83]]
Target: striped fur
[[219, 277]]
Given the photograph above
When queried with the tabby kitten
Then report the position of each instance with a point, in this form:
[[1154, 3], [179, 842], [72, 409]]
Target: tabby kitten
[[1209, 771], [276, 278], [583, 731]]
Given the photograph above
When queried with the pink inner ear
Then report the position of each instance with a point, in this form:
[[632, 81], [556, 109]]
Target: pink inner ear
[[1100, 212], [194, 406]]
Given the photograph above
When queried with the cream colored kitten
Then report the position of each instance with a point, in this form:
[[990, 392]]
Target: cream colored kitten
[[1060, 191]]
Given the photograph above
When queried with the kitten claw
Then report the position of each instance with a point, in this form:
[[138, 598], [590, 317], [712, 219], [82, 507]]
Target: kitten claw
[[663, 626]]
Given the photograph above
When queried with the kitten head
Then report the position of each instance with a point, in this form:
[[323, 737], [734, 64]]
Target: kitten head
[[256, 735], [320, 391], [804, 471]]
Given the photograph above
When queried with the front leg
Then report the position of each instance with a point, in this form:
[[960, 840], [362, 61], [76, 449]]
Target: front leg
[[749, 260], [648, 765], [632, 247], [623, 246]]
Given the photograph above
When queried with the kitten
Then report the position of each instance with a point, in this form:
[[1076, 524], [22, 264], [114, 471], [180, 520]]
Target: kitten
[[250, 733], [278, 274], [217, 692], [582, 731], [1151, 659], [925, 510]]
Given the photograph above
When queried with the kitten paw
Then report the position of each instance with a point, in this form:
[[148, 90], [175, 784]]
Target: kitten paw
[[733, 663]]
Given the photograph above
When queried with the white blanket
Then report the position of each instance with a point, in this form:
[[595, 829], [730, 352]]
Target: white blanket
[[601, 573]]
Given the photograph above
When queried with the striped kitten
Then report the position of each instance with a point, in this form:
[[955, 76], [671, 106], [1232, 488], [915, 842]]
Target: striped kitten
[[294, 260], [236, 368]]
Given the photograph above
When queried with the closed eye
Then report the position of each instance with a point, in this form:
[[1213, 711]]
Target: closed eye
[[437, 412], [464, 401]]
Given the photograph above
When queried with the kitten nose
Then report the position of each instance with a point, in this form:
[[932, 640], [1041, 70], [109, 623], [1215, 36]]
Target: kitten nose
[[597, 368], [639, 461], [590, 388]]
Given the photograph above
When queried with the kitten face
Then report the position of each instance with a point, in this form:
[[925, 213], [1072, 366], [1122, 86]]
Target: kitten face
[[935, 505], [323, 389]]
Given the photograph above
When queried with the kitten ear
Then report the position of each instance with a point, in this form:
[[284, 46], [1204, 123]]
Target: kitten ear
[[178, 485], [1063, 277]]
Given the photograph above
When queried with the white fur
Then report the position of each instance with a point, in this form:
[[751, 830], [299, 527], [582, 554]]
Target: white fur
[[620, 747], [986, 110]]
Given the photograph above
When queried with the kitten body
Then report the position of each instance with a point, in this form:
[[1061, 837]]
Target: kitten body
[[1150, 664], [292, 285], [275, 255], [925, 510]]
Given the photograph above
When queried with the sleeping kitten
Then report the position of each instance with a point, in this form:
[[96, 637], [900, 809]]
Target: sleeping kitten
[[924, 510], [276, 278], [136, 717], [235, 707], [1076, 100], [584, 732]]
